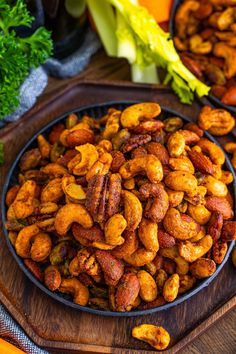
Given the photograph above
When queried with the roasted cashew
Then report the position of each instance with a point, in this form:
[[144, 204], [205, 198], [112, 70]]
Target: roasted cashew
[[132, 115], [23, 205], [41, 247], [216, 121], [23, 241], [198, 46], [132, 210], [112, 125], [82, 162], [183, 13], [149, 164], [114, 228], [148, 287], [176, 144], [228, 53], [199, 213], [101, 166], [171, 288], [74, 287], [156, 336], [181, 181], [140, 257], [173, 253], [52, 191], [192, 251], [70, 213], [148, 234], [179, 225], [202, 268], [212, 150], [54, 169], [182, 163], [214, 186]]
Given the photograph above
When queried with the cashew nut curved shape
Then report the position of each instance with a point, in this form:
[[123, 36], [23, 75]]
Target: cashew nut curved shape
[[192, 251], [133, 210], [140, 257], [181, 181], [23, 204], [212, 150], [70, 213], [132, 115], [114, 228], [32, 243], [149, 164], [173, 253], [74, 287], [180, 226]]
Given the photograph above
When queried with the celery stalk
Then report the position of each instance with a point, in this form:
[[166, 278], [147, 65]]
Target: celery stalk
[[104, 18], [146, 75]]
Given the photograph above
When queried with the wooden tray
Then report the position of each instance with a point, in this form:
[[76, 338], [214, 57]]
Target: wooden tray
[[47, 322]]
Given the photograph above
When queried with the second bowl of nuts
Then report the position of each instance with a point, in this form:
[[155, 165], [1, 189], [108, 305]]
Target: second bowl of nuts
[[120, 209]]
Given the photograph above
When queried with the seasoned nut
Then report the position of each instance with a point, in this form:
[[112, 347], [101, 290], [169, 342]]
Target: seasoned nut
[[192, 251], [120, 138], [74, 287], [212, 150], [157, 337], [44, 146], [215, 225], [199, 213], [214, 186], [52, 192], [30, 159], [201, 162], [133, 210], [140, 257], [23, 205], [181, 181], [229, 96], [172, 124], [118, 160], [127, 291], [173, 254], [140, 151], [34, 268], [228, 231], [112, 267], [171, 288], [219, 251], [202, 268], [216, 121], [148, 288], [149, 126], [175, 197], [52, 278], [132, 115], [114, 228], [180, 226], [176, 144], [135, 141], [128, 247], [186, 282], [55, 133], [182, 163], [148, 235], [11, 195], [149, 164], [221, 205], [165, 240], [158, 201], [159, 151], [161, 278]]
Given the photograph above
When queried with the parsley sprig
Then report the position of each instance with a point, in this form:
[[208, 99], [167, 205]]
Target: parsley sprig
[[18, 55]]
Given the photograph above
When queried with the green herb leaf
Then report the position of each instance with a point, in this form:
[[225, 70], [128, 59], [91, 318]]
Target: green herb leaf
[[18, 55]]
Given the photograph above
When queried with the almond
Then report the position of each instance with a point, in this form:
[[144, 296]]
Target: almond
[[112, 267], [159, 151], [215, 225], [221, 205], [165, 239], [127, 291], [201, 162], [79, 137]]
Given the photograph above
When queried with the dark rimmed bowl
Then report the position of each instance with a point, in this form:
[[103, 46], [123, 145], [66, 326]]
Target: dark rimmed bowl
[[211, 97], [99, 110]]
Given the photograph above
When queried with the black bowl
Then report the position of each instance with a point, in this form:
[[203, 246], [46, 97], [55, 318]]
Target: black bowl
[[99, 110], [211, 97]]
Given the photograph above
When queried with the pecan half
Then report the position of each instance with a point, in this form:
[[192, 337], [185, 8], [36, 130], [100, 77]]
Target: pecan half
[[136, 141]]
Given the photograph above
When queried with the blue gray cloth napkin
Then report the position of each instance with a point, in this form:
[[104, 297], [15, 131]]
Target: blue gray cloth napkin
[[38, 78], [12, 332]]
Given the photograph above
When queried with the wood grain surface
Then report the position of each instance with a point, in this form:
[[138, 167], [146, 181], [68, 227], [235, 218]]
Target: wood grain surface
[[62, 329]]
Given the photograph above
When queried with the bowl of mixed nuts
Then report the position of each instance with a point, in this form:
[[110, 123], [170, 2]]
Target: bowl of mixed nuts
[[204, 33], [121, 208]]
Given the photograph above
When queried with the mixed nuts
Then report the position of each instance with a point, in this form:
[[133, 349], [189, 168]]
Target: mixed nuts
[[123, 212]]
